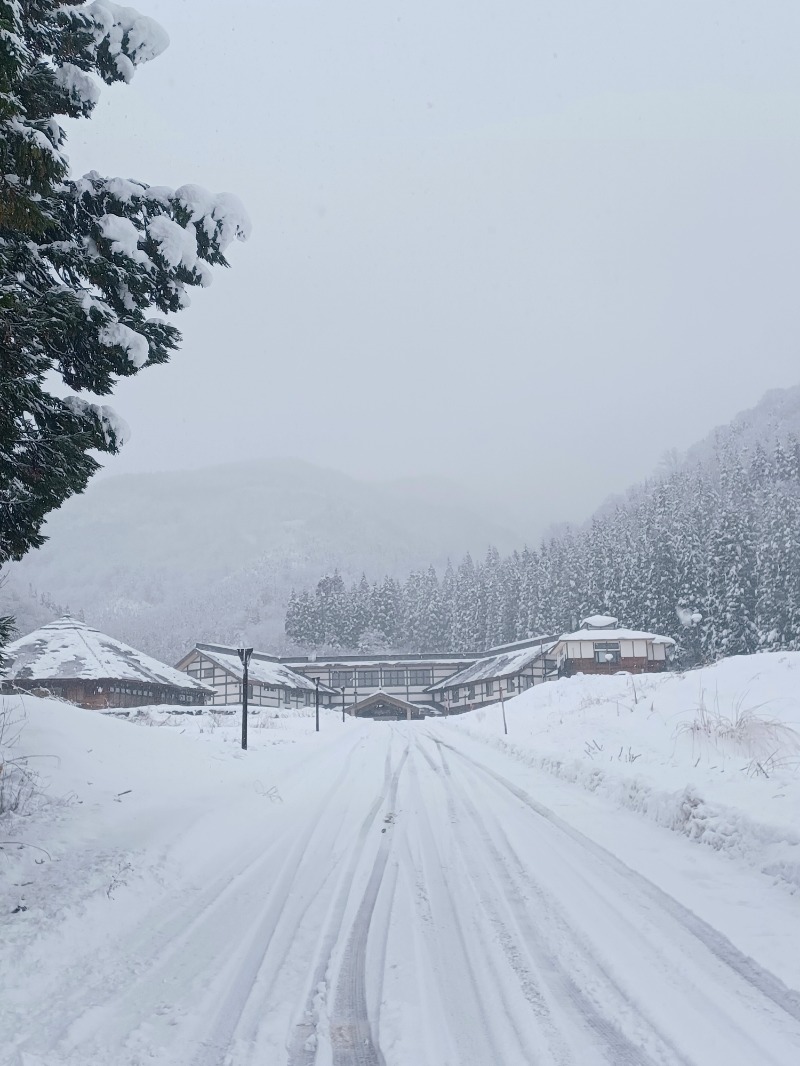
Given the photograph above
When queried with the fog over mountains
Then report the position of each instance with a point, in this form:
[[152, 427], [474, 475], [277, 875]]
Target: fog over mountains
[[162, 560]]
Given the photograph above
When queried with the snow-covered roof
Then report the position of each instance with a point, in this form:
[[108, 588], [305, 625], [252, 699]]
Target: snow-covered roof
[[262, 669], [504, 665], [598, 621], [68, 648], [614, 634], [366, 662]]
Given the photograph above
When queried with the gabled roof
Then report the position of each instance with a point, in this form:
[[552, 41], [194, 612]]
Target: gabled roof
[[263, 669], [387, 659], [614, 634], [381, 697], [68, 649], [506, 664]]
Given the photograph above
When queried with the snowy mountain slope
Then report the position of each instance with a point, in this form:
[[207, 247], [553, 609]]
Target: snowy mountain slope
[[774, 417], [162, 560], [713, 754], [374, 893]]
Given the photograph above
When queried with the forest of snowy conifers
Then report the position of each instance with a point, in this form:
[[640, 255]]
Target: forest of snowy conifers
[[709, 554]]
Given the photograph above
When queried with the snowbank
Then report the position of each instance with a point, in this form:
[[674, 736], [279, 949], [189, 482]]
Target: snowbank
[[713, 754]]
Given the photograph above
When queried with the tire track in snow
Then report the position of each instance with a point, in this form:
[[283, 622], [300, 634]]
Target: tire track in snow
[[304, 1043], [616, 1046], [273, 942], [512, 943], [482, 1024], [201, 942], [766, 983], [709, 998], [352, 1034]]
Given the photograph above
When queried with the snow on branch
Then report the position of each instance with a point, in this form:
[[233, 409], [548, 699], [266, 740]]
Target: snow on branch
[[117, 334], [131, 38], [115, 429]]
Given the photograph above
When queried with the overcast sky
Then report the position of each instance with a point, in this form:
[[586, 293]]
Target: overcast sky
[[526, 245]]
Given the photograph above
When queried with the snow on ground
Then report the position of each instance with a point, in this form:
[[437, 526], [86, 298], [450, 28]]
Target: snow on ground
[[393, 894], [712, 753]]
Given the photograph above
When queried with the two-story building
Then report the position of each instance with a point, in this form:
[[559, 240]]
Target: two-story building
[[507, 671], [355, 677], [600, 646], [270, 682]]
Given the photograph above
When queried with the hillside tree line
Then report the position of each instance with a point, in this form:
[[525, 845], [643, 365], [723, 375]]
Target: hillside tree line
[[708, 554]]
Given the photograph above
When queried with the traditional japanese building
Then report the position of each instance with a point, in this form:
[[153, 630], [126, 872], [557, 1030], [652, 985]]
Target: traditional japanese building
[[270, 683], [354, 677], [386, 686], [507, 671], [600, 646], [70, 660], [381, 706]]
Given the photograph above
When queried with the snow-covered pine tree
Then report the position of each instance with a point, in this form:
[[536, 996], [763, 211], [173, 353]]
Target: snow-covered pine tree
[[303, 623], [386, 610], [82, 262], [490, 602], [331, 607], [358, 614], [430, 615], [447, 606]]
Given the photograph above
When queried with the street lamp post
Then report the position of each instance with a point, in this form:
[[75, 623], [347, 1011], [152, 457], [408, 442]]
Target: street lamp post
[[244, 655], [316, 701]]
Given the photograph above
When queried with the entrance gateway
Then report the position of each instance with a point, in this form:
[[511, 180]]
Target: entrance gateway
[[382, 706]]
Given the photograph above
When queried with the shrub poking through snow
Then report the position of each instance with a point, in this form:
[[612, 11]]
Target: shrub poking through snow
[[17, 780], [743, 731]]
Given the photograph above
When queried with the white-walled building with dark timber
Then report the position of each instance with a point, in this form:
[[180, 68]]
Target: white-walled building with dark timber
[[271, 682], [430, 684], [419, 685]]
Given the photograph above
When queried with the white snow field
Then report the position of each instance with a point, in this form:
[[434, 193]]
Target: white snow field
[[407, 895]]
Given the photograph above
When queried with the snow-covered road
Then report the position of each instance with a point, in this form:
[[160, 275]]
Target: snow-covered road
[[412, 901]]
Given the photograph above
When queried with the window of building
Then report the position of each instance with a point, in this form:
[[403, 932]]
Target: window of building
[[454, 694], [342, 678], [606, 651], [207, 671], [420, 677], [394, 677], [510, 686], [470, 692], [488, 688], [369, 678], [308, 699]]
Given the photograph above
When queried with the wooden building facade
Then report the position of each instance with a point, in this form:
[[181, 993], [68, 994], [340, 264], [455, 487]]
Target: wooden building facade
[[354, 677], [600, 646], [69, 660], [271, 683], [509, 670]]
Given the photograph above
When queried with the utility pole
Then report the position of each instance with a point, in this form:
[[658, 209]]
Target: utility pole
[[316, 700], [244, 655], [503, 708], [342, 703]]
